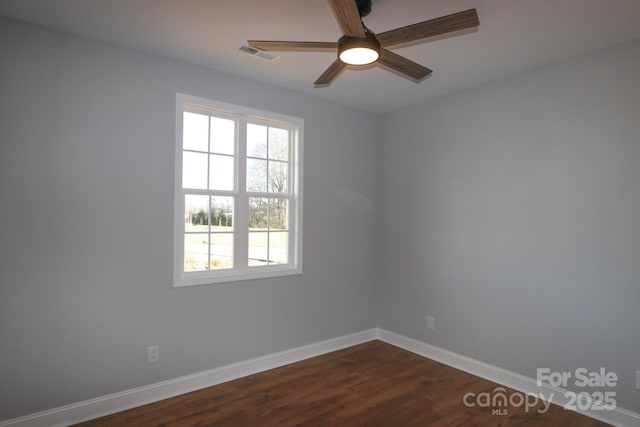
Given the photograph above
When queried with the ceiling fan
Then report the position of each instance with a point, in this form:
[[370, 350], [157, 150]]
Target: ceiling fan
[[361, 46]]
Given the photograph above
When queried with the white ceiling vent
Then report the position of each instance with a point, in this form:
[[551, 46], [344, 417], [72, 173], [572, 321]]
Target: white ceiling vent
[[257, 53]]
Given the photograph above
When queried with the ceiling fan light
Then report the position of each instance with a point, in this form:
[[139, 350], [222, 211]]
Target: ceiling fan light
[[359, 51], [359, 56]]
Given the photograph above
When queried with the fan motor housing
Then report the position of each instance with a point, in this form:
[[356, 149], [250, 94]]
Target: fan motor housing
[[364, 7]]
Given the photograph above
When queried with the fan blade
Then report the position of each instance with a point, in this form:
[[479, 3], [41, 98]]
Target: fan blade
[[348, 17], [434, 27], [402, 65], [330, 75], [292, 46]]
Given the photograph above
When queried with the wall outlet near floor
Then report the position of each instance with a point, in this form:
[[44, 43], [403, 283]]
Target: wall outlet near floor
[[431, 322], [153, 353]]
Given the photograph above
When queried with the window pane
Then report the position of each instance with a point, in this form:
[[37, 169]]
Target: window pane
[[194, 170], [258, 213], [222, 136], [257, 175], [278, 144], [196, 252], [195, 132], [278, 174], [278, 247], [221, 251], [221, 173], [278, 214], [258, 249], [256, 141], [221, 214], [196, 213]]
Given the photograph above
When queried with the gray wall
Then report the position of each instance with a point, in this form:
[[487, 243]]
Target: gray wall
[[86, 188], [511, 213]]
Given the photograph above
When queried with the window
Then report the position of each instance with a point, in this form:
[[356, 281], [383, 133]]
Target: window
[[238, 200]]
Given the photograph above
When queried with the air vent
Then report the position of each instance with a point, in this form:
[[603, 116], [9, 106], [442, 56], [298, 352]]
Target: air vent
[[257, 53]]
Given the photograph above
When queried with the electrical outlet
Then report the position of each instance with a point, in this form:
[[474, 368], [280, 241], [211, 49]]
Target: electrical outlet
[[431, 322], [153, 353]]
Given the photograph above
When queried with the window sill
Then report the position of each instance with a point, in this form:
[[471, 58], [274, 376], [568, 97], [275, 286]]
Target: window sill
[[207, 278]]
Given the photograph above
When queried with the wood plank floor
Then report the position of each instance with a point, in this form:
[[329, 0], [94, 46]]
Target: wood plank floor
[[372, 384]]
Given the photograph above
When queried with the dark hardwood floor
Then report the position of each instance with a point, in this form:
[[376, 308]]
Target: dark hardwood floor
[[372, 384]]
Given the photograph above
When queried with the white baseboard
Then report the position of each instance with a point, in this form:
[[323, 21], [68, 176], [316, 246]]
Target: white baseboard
[[618, 416], [105, 405], [117, 402]]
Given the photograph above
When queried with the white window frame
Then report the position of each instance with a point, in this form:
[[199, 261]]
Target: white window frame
[[241, 115]]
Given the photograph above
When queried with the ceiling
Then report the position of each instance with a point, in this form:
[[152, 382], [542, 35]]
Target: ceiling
[[514, 35]]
